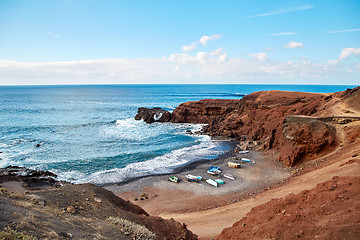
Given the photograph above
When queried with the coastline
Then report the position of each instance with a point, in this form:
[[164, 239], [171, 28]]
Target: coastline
[[183, 168], [165, 197]]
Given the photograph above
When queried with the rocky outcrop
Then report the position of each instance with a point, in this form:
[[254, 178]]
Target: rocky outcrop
[[305, 138], [258, 116], [150, 115], [203, 111], [31, 179]]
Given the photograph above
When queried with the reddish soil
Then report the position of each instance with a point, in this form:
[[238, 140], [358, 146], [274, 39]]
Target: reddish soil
[[329, 211]]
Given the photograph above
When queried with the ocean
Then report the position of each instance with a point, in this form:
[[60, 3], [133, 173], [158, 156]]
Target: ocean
[[88, 133]]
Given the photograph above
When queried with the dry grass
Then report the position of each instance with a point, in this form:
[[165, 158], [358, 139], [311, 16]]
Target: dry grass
[[9, 234], [127, 227], [3, 191]]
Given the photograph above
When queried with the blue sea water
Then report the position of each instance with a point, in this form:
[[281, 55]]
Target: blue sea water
[[88, 133]]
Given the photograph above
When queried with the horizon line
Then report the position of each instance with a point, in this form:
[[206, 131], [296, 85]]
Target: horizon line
[[124, 84]]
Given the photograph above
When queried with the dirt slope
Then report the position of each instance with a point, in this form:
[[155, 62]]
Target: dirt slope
[[329, 211]]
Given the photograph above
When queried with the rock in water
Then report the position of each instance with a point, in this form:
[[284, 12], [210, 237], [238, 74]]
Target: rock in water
[[150, 115]]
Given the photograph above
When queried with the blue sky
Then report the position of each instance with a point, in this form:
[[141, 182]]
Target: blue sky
[[197, 41]]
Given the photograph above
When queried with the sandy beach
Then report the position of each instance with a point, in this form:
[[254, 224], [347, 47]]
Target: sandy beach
[[165, 197]]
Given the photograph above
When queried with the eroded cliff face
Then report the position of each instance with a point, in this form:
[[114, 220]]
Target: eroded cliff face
[[305, 138], [261, 119], [203, 111]]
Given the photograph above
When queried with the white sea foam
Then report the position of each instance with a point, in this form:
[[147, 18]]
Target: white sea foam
[[158, 165], [5, 163], [131, 129], [68, 175], [157, 116]]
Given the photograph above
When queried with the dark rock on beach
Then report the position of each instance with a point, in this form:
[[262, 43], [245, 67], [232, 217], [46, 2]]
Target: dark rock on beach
[[32, 179], [150, 115]]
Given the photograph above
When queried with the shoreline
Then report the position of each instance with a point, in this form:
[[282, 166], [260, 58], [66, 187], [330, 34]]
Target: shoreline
[[183, 168], [165, 197]]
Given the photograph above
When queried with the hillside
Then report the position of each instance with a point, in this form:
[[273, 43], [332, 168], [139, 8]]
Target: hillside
[[82, 211]]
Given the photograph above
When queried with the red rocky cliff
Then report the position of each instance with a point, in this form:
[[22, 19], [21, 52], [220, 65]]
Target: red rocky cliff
[[260, 119]]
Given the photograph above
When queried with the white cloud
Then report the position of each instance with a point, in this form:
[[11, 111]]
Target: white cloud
[[203, 40], [269, 49], [283, 34], [202, 67], [294, 45], [216, 56], [346, 52], [332, 62], [260, 56], [189, 48], [284, 10], [343, 31]]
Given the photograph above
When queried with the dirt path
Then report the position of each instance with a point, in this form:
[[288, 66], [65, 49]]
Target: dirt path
[[208, 224]]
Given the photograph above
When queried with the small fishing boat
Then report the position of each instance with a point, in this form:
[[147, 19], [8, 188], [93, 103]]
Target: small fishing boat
[[192, 178], [229, 176], [247, 160], [243, 152], [219, 181], [233, 165], [212, 182], [214, 170], [174, 179]]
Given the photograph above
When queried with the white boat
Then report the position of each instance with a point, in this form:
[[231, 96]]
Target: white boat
[[229, 176], [247, 160], [212, 182], [243, 152], [192, 178], [233, 165], [216, 172]]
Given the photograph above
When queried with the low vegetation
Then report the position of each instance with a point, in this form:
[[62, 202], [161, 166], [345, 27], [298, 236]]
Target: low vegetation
[[10, 234], [127, 227]]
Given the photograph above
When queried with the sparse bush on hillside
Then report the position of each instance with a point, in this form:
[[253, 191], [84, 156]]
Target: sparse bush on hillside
[[137, 231], [9, 234]]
